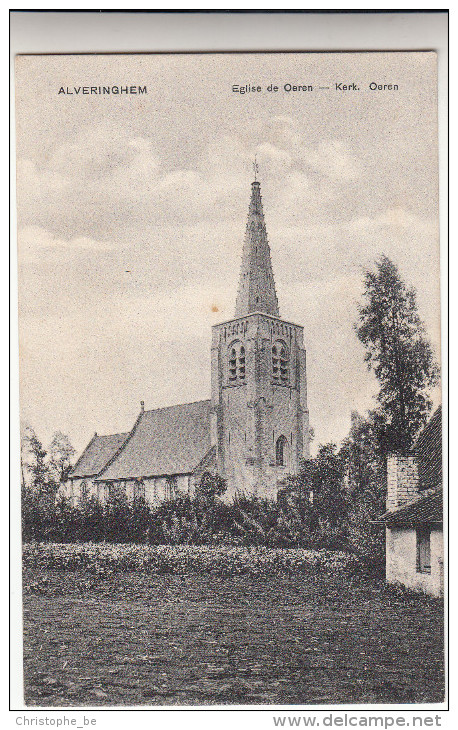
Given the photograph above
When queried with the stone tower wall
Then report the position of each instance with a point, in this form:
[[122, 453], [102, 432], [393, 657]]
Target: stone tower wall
[[250, 415]]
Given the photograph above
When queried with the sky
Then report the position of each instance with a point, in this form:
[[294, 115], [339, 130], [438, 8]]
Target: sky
[[132, 212]]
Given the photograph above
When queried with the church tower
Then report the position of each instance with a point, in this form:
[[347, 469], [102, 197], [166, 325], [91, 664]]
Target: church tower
[[259, 385]]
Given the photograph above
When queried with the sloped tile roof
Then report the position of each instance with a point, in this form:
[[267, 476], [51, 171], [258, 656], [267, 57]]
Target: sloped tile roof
[[97, 454], [165, 441], [428, 450], [427, 509]]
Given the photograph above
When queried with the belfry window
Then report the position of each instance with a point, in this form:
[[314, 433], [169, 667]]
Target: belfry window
[[236, 363], [280, 363], [283, 364], [242, 363], [233, 365]]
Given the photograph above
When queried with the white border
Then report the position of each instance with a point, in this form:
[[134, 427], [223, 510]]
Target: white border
[[54, 32]]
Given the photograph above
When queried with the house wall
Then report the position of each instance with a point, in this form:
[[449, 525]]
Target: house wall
[[157, 488], [72, 491], [401, 560]]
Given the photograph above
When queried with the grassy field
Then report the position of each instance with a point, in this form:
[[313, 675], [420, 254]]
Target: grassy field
[[142, 639]]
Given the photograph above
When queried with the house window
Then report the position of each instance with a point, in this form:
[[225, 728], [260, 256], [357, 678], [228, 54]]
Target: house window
[[281, 450], [423, 550]]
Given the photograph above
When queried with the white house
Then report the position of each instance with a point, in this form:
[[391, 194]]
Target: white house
[[413, 520]]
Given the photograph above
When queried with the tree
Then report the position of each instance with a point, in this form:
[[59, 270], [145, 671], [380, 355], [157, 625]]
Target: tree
[[60, 455], [365, 471], [327, 483], [38, 488], [399, 353], [318, 491], [365, 483], [210, 487], [33, 458]]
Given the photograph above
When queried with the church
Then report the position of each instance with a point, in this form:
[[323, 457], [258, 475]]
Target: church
[[252, 432]]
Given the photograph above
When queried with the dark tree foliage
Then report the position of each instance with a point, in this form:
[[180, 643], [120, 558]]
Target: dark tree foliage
[[210, 487], [33, 458], [365, 485], [318, 489], [365, 468], [39, 490], [61, 453], [140, 520], [327, 482], [399, 353], [118, 519]]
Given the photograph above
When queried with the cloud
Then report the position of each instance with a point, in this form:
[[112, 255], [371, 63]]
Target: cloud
[[129, 254], [333, 159], [105, 179], [33, 239]]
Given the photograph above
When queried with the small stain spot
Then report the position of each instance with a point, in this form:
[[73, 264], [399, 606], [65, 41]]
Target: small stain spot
[[215, 308]]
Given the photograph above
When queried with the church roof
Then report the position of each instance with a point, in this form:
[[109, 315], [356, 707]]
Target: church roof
[[256, 292], [97, 454], [165, 441]]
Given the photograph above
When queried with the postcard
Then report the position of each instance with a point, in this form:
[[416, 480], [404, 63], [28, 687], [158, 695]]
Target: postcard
[[230, 399]]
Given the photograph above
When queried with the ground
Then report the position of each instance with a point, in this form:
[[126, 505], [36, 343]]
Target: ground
[[136, 639]]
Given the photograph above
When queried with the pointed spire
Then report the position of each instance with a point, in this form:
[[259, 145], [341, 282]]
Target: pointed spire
[[256, 292]]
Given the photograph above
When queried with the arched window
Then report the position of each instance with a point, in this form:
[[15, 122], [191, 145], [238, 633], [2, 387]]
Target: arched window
[[281, 451], [284, 365], [84, 494], [171, 485], [280, 363], [275, 370], [242, 363], [139, 490], [236, 363], [233, 365]]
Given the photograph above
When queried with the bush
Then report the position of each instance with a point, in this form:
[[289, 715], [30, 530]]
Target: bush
[[105, 559], [184, 520], [366, 538]]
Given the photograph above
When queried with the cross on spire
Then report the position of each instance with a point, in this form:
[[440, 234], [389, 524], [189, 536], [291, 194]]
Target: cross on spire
[[255, 168]]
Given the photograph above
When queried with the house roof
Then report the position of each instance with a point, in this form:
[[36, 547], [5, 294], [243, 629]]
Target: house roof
[[97, 454], [426, 510], [165, 441], [428, 450]]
